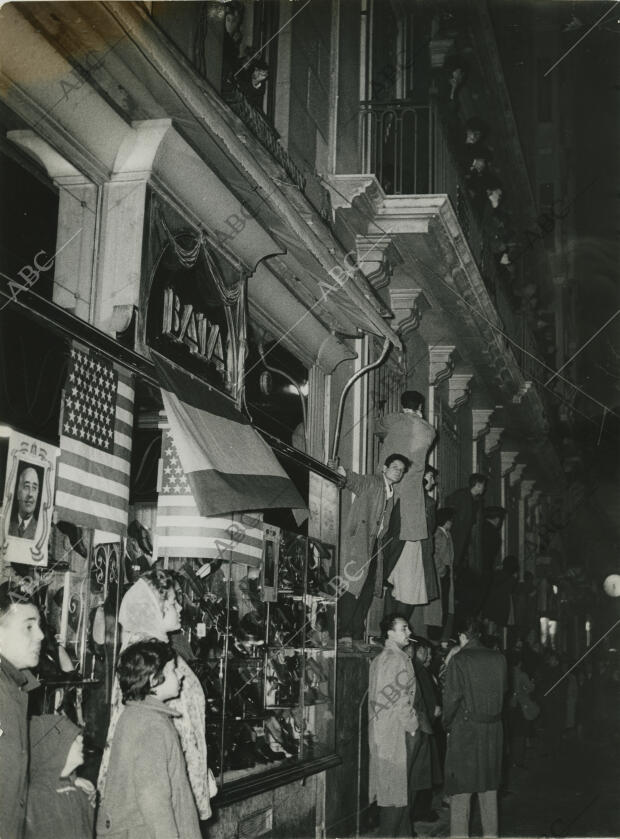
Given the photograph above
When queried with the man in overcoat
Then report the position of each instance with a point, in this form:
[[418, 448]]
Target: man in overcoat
[[20, 646], [411, 575], [392, 730], [362, 542], [476, 682], [467, 505]]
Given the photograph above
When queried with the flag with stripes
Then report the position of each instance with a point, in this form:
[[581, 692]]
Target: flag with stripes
[[92, 488], [182, 531], [227, 463]]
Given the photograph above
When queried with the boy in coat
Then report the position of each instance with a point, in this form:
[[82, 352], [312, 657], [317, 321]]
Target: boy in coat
[[147, 792]]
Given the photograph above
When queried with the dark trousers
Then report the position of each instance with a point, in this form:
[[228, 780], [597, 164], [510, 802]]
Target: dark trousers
[[353, 610]]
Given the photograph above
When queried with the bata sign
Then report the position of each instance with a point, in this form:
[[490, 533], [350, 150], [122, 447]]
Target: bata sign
[[183, 323]]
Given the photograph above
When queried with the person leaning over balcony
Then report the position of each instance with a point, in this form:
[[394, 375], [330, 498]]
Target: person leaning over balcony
[[252, 81], [362, 543]]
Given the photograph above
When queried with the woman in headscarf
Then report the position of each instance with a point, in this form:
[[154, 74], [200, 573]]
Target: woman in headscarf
[[150, 609]]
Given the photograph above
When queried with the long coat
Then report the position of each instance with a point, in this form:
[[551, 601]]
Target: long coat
[[411, 436], [443, 557], [57, 808], [476, 682], [391, 713], [466, 507], [394, 546], [14, 687], [362, 528], [147, 792]]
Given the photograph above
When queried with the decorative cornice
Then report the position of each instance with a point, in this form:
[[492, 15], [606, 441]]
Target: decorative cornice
[[480, 421], [491, 441], [507, 461], [440, 364], [516, 474], [458, 389], [408, 306], [375, 258]]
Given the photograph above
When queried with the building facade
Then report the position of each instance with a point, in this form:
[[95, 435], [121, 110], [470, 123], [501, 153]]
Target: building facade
[[276, 198]]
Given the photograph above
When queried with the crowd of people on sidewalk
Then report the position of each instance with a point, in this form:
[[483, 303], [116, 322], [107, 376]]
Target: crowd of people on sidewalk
[[470, 702], [452, 719], [154, 779]]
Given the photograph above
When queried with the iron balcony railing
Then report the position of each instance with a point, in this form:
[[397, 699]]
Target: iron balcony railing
[[406, 146]]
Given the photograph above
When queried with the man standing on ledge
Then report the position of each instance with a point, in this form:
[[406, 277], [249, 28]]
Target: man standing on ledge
[[472, 715], [362, 543]]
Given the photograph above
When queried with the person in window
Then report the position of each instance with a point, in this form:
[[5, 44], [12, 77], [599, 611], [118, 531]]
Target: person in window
[[252, 81]]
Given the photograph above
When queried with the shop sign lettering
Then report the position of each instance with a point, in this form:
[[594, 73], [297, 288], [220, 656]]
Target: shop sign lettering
[[182, 323]]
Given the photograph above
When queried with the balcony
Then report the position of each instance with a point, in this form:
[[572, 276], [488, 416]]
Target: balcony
[[407, 147]]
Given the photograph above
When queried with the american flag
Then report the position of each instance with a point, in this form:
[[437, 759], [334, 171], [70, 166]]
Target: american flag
[[93, 472], [182, 532]]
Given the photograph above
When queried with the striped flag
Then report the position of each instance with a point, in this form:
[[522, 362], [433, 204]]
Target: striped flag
[[92, 488], [228, 464], [182, 531]]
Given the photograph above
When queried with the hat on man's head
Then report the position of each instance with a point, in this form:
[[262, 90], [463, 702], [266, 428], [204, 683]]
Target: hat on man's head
[[494, 512]]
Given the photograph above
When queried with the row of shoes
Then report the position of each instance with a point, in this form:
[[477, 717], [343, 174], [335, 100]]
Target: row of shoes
[[278, 737]]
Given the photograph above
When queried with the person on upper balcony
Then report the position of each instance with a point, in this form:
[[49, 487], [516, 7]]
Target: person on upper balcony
[[252, 81]]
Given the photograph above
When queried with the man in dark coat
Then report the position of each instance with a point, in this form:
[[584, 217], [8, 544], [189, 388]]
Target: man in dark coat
[[476, 681], [362, 543], [429, 764], [491, 540], [20, 647], [466, 503]]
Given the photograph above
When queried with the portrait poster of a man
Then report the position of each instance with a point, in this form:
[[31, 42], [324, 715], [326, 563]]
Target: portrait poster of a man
[[27, 500]]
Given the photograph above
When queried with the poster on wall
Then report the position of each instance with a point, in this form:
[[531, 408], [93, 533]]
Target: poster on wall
[[27, 501]]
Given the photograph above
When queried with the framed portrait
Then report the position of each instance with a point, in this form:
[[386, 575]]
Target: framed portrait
[[271, 551], [27, 500]]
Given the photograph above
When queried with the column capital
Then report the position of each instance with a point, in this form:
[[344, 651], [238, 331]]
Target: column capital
[[507, 461], [458, 389], [440, 363], [408, 306], [517, 472], [481, 421], [491, 441]]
